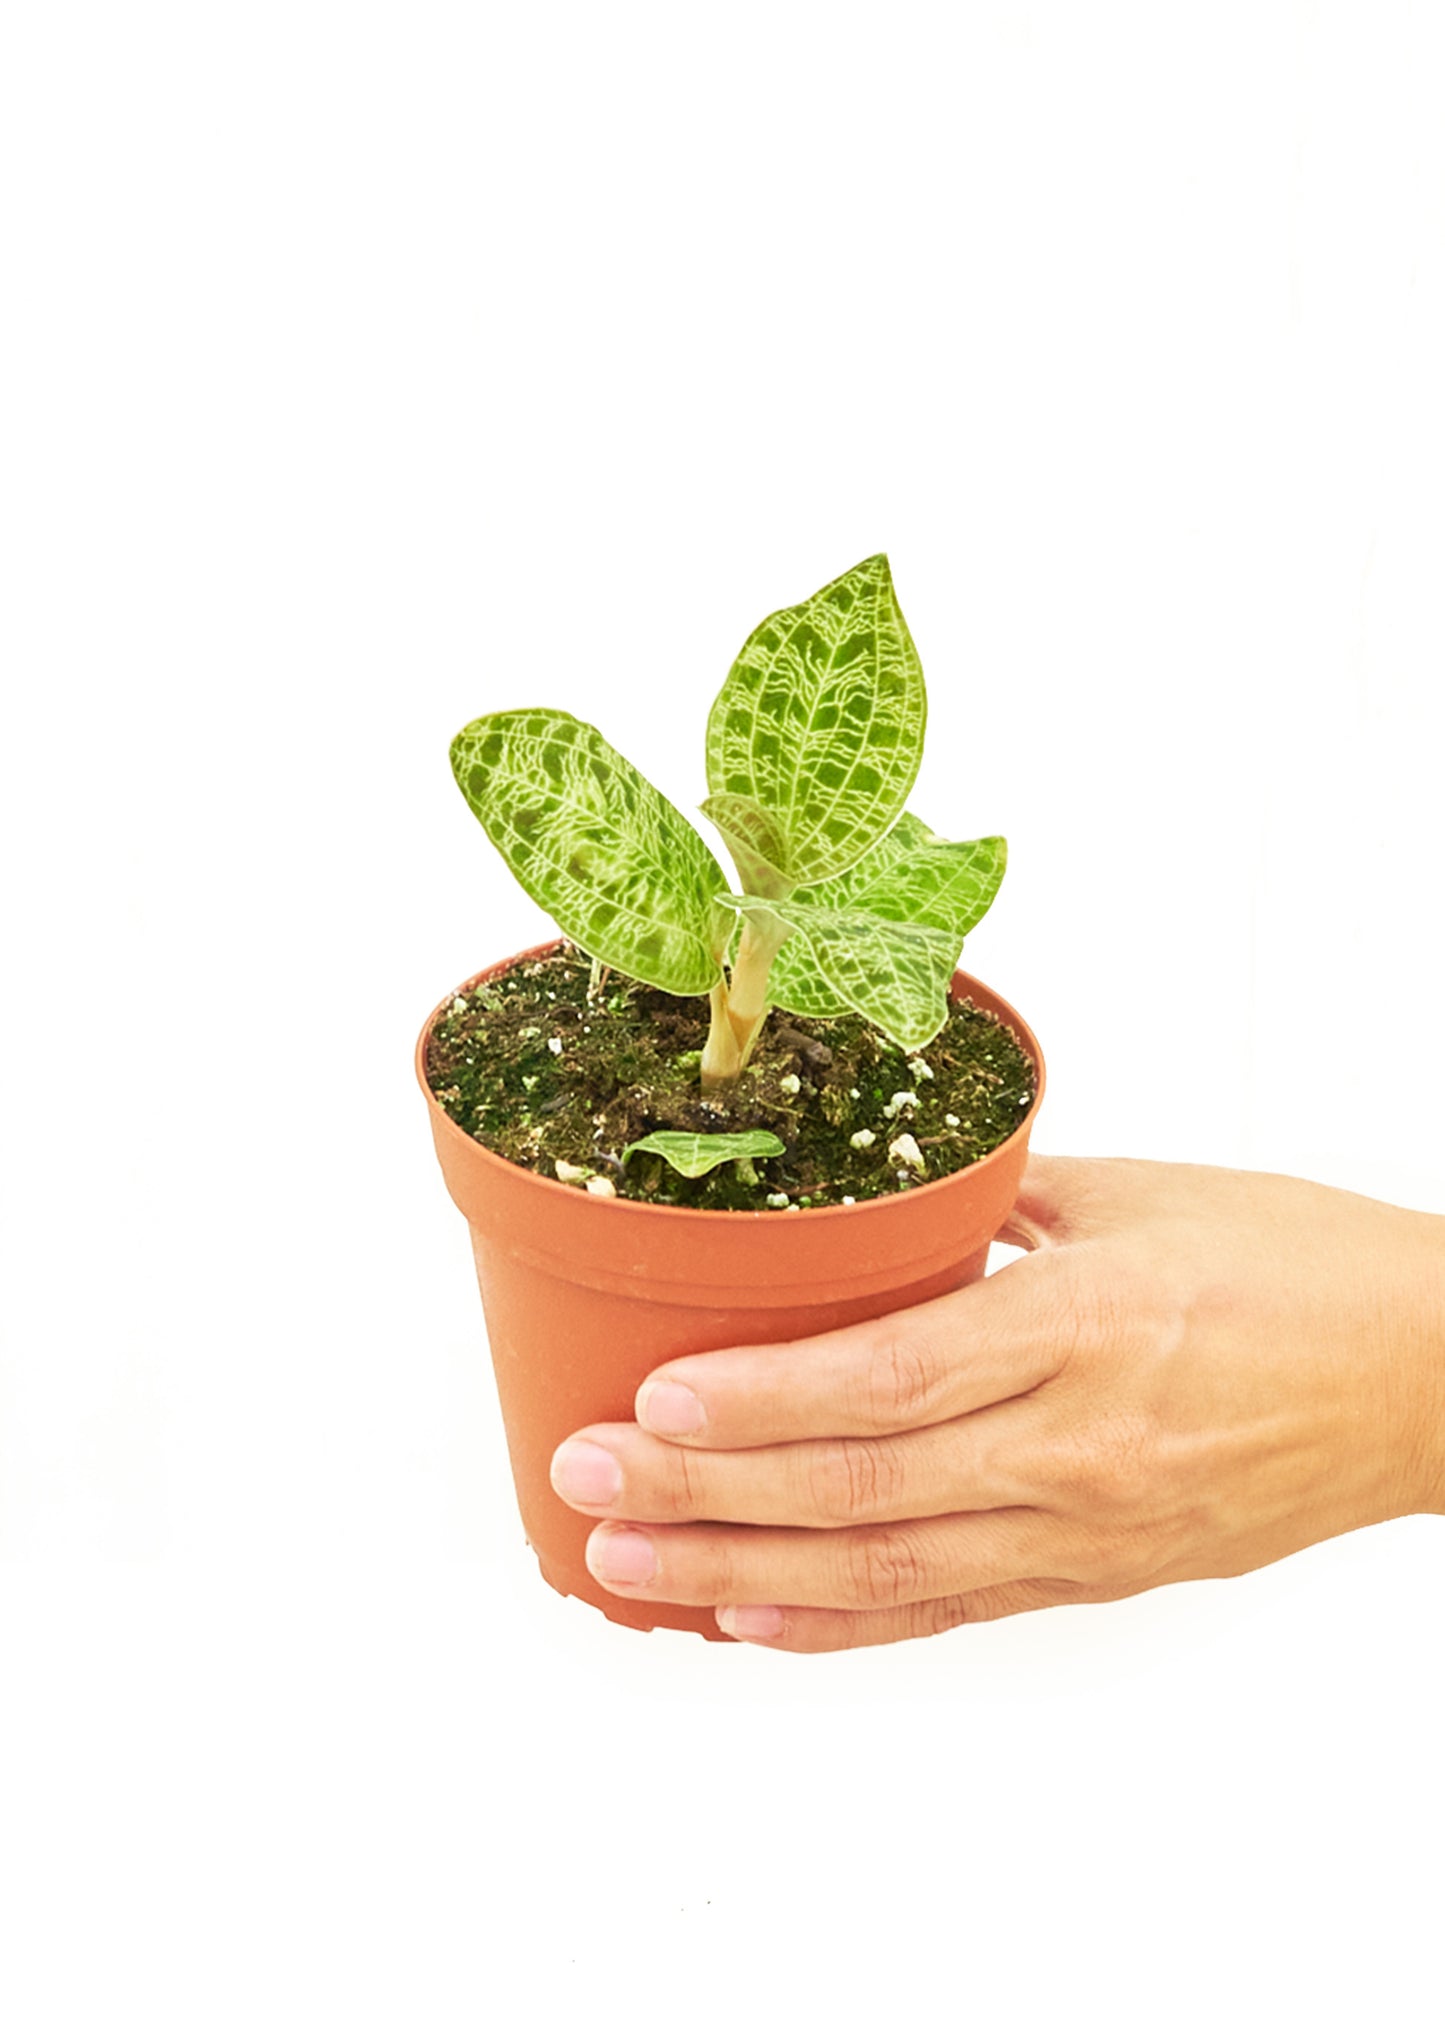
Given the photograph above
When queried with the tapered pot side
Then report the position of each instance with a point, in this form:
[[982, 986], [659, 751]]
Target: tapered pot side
[[583, 1296]]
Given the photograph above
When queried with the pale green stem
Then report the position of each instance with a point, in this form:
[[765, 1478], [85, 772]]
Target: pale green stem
[[740, 1007], [721, 1057]]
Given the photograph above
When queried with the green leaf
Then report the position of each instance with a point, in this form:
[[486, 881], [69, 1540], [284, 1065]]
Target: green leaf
[[755, 841], [692, 1154], [912, 875], [819, 727], [893, 973], [622, 873]]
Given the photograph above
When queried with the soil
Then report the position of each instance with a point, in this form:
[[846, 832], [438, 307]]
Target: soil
[[539, 1068]]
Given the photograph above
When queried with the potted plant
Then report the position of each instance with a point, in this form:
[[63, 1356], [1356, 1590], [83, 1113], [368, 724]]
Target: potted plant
[[707, 1117]]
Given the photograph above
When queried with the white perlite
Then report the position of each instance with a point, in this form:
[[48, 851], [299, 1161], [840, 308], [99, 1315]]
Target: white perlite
[[920, 1069], [899, 1100], [778, 1201], [459, 1004], [554, 1045], [861, 1140], [571, 1174], [950, 1120], [849, 1201], [790, 1085], [600, 1184], [904, 1151]]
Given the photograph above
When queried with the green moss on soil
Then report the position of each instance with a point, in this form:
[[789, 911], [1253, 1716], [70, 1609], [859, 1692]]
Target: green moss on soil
[[625, 1063]]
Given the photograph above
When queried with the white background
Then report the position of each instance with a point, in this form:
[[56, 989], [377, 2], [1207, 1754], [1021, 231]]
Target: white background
[[370, 367]]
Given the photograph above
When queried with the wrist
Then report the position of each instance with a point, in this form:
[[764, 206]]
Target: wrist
[[1425, 1347]]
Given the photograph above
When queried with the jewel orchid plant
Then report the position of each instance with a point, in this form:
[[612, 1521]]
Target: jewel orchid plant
[[846, 903]]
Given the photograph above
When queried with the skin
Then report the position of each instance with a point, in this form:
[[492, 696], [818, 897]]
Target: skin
[[1191, 1373]]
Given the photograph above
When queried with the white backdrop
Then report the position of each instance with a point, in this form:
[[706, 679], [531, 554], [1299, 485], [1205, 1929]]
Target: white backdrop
[[371, 367]]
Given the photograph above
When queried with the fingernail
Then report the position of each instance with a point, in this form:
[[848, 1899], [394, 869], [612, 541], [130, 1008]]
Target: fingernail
[[586, 1473], [625, 1558], [671, 1408], [763, 1621]]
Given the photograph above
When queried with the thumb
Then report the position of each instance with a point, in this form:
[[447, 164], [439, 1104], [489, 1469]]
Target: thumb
[[1064, 1200]]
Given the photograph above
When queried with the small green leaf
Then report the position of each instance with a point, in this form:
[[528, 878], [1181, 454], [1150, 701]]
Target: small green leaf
[[755, 841], [691, 1153], [893, 973], [911, 876], [819, 727], [622, 873]]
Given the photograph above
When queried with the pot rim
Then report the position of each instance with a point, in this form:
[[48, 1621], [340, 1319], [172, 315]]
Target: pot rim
[[614, 1204]]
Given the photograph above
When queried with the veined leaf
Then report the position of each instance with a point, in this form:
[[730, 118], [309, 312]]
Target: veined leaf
[[893, 973], [692, 1153], [912, 875], [755, 841], [820, 726], [622, 873]]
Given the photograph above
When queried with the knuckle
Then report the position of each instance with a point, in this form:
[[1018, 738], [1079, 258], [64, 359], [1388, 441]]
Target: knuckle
[[950, 1612], [1110, 1468], [1099, 1314], [901, 1382], [850, 1481], [1078, 1307], [1114, 1559], [1125, 1471], [715, 1570], [988, 1604], [886, 1567], [682, 1491], [1093, 1558]]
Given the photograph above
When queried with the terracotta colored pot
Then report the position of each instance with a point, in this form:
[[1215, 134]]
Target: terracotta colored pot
[[584, 1296]]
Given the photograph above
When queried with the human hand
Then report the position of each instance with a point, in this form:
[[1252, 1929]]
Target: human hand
[[1193, 1372]]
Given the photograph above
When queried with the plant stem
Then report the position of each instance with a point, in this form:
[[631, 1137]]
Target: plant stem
[[740, 1006], [721, 1057]]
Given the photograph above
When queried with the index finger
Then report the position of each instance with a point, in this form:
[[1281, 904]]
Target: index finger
[[917, 1366]]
